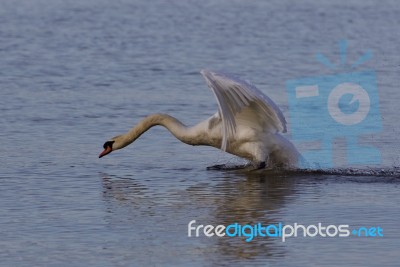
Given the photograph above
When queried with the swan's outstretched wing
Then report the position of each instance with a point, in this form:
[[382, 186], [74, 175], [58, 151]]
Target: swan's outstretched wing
[[240, 102]]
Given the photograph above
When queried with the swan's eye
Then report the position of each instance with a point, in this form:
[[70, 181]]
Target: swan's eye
[[108, 144]]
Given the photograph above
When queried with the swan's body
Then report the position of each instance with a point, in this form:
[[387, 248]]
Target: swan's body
[[247, 125]]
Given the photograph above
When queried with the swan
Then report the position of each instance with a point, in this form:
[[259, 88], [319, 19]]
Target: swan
[[247, 124]]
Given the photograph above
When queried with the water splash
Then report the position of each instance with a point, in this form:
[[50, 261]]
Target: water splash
[[388, 172], [376, 172]]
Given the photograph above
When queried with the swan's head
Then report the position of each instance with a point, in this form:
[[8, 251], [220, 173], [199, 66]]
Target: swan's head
[[114, 144]]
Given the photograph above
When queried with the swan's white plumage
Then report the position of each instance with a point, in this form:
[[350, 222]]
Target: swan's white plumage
[[247, 125], [241, 103]]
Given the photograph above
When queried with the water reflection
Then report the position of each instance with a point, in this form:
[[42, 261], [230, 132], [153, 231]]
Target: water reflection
[[229, 197], [251, 198], [128, 194]]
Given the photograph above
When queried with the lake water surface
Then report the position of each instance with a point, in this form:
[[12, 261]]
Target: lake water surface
[[75, 73]]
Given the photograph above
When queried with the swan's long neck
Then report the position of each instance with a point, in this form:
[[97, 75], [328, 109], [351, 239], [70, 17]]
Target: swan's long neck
[[177, 128]]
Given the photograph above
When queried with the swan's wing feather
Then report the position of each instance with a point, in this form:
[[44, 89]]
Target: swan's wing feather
[[241, 102]]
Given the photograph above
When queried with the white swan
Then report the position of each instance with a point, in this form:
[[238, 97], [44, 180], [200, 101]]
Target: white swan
[[247, 125]]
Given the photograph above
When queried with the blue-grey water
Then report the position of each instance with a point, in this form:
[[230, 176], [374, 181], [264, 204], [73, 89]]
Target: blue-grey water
[[75, 73]]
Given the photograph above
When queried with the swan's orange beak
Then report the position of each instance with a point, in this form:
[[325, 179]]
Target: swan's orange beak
[[106, 151]]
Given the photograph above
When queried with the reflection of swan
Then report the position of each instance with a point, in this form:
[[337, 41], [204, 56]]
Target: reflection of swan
[[247, 124], [251, 198], [233, 197]]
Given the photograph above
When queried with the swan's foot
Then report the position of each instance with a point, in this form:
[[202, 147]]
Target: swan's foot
[[249, 166], [255, 166], [225, 167], [259, 165], [215, 167]]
